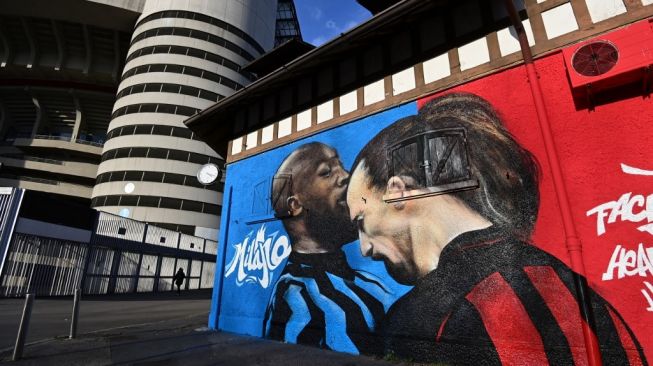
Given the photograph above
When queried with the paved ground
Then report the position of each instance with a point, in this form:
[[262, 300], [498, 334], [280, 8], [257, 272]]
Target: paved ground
[[51, 317], [170, 331], [179, 341]]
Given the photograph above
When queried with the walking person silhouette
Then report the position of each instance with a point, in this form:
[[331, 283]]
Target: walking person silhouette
[[179, 279]]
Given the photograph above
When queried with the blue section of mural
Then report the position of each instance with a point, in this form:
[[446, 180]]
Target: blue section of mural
[[254, 245]]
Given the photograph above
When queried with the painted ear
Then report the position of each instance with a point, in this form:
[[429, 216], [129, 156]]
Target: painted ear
[[294, 206], [397, 184]]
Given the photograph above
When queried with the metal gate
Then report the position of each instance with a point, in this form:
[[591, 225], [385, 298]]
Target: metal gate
[[42, 266], [123, 256]]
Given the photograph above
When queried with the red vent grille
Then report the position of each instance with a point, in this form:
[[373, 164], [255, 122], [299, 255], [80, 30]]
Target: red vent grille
[[595, 58]]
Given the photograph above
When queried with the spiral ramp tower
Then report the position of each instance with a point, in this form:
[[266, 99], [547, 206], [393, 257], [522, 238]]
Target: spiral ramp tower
[[183, 57]]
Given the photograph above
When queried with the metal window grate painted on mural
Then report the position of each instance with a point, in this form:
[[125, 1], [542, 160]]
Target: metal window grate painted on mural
[[436, 160]]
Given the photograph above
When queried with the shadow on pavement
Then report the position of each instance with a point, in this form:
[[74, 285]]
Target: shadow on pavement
[[181, 342]]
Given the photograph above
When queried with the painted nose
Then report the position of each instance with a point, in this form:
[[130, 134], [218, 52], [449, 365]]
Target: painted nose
[[343, 178]]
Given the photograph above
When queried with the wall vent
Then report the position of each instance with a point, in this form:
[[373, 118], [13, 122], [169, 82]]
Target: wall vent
[[614, 59], [594, 59]]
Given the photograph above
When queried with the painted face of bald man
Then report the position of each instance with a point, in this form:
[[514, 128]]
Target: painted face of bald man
[[319, 185]]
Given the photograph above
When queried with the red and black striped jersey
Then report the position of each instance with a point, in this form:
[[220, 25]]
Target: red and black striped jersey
[[494, 299]]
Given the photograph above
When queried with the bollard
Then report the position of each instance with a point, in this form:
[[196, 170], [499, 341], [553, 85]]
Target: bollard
[[73, 322], [22, 329]]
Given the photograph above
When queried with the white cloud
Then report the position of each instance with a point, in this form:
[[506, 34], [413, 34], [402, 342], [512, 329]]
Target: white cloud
[[318, 41], [316, 13], [332, 25]]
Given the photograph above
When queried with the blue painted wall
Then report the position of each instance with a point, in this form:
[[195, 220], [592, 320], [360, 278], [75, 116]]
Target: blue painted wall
[[239, 306]]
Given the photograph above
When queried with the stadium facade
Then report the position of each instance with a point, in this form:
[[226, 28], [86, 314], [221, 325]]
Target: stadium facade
[[94, 93]]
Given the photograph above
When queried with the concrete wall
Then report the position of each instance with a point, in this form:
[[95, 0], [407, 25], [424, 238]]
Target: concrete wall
[[466, 269], [205, 44], [251, 16]]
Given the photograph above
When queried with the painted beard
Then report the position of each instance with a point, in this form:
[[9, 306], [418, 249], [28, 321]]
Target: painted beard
[[331, 226], [406, 272], [400, 274]]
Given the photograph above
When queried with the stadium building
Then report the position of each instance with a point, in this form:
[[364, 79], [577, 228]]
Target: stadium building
[[93, 95]]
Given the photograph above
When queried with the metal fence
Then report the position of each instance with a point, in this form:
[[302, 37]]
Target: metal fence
[[10, 199], [122, 256], [42, 266]]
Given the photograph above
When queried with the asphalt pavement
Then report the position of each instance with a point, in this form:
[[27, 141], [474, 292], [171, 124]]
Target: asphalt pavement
[[159, 329], [51, 316]]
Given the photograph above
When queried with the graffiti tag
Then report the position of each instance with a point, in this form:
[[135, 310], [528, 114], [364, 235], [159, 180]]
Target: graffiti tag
[[647, 295], [629, 208], [628, 263], [624, 209], [256, 257]]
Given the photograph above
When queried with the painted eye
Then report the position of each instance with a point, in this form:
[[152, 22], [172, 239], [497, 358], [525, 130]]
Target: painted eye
[[325, 173]]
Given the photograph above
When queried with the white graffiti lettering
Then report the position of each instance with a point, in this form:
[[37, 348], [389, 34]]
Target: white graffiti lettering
[[635, 171], [629, 207], [647, 295], [632, 208], [257, 257], [628, 263]]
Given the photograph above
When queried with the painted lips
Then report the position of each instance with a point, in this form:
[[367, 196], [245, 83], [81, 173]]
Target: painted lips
[[342, 200]]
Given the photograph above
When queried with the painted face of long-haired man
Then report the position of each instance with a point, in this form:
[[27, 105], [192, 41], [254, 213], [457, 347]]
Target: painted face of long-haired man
[[480, 287], [410, 234]]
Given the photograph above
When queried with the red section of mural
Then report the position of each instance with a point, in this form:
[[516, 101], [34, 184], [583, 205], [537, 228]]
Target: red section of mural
[[506, 320], [564, 308], [607, 171], [626, 340], [444, 322]]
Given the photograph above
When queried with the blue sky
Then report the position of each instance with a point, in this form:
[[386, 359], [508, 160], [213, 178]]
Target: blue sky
[[323, 20]]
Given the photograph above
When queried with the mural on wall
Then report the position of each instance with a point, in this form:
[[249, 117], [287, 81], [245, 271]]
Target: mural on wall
[[292, 260], [634, 208], [483, 293], [319, 299], [430, 232]]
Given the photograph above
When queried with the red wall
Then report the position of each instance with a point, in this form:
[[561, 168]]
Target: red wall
[[591, 145]]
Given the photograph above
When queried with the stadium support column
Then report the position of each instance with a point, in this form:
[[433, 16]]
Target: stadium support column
[[184, 56]]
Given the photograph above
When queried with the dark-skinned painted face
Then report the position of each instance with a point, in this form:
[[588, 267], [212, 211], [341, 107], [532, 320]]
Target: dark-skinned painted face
[[321, 186]]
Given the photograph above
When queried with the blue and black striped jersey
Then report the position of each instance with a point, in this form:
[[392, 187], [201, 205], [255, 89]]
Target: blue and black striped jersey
[[320, 300]]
